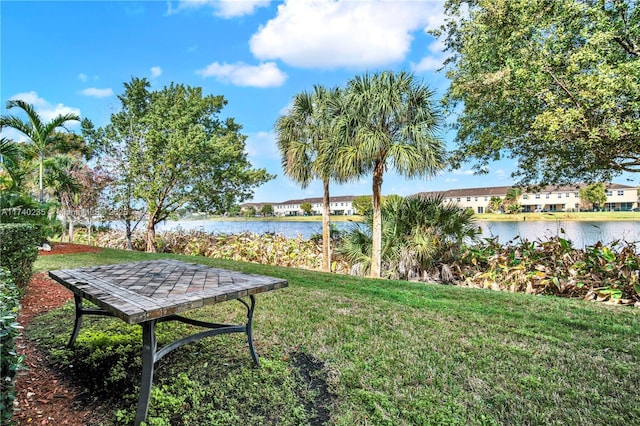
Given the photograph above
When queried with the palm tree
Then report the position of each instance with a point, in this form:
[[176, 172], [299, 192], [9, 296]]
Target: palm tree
[[9, 157], [391, 122], [306, 144], [60, 178], [420, 235], [9, 151], [39, 134], [495, 203]]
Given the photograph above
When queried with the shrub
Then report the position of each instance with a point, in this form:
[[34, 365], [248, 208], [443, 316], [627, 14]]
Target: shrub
[[10, 361], [555, 267], [267, 249], [18, 250]]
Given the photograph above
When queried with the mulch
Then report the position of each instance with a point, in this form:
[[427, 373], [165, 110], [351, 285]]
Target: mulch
[[43, 396]]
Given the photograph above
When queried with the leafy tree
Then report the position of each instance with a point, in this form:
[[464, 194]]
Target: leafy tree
[[40, 134], [234, 210], [307, 144], [250, 211], [554, 84], [390, 122], [188, 155], [118, 145], [594, 193], [307, 208], [363, 204], [77, 188], [420, 235], [179, 153], [267, 210]]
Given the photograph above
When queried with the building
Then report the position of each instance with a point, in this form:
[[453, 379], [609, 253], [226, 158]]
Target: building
[[547, 199], [342, 205]]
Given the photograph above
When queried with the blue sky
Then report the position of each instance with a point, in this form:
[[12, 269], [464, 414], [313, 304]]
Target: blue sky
[[75, 56]]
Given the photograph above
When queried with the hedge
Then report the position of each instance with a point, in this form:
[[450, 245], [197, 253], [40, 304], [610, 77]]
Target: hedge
[[10, 361], [18, 250]]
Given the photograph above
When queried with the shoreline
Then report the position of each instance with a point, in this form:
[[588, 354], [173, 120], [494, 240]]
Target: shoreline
[[489, 217]]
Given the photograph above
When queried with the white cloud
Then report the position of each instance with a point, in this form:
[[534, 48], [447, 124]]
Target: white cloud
[[428, 63], [223, 8], [468, 172], [434, 61], [286, 109], [12, 134], [330, 34], [235, 8], [82, 77], [240, 74], [156, 72], [97, 93], [262, 145], [47, 111], [437, 16], [451, 180], [437, 46], [500, 173]]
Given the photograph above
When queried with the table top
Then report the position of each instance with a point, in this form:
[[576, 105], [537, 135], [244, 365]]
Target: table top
[[141, 291]]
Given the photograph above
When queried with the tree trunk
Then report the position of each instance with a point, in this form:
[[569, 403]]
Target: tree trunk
[[71, 230], [128, 233], [41, 177], [376, 249], [151, 235], [326, 236], [63, 220]]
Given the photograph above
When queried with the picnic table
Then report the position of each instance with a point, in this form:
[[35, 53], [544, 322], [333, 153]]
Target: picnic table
[[151, 292]]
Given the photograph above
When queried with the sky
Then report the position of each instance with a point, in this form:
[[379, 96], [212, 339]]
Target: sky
[[76, 56]]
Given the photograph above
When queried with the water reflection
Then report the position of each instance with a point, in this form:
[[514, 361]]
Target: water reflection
[[581, 233]]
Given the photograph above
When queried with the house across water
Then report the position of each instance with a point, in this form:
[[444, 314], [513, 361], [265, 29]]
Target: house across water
[[546, 199]]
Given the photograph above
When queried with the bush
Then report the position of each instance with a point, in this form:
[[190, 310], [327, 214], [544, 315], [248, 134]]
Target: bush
[[266, 249], [10, 361], [18, 250], [555, 267]]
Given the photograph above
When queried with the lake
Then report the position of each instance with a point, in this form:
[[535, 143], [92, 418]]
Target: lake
[[581, 233]]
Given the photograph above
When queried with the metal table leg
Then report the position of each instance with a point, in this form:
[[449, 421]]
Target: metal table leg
[[148, 361], [151, 354], [80, 311], [249, 327]]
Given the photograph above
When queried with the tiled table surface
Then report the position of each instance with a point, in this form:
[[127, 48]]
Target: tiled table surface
[[140, 291]]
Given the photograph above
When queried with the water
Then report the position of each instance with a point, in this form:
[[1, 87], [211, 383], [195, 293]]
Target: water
[[286, 229], [581, 233]]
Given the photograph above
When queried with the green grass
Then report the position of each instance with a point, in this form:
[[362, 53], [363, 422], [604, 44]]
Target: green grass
[[366, 352]]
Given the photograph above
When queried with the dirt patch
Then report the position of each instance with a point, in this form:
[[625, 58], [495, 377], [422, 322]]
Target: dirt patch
[[44, 397], [314, 376]]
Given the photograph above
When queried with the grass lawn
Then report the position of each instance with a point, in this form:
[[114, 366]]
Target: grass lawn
[[357, 351]]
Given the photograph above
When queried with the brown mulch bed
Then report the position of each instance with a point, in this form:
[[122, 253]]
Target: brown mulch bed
[[67, 248], [43, 396]]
